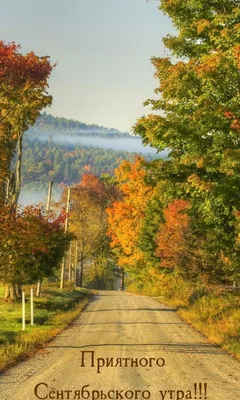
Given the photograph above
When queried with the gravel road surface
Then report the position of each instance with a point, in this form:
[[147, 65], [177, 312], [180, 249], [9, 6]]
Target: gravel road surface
[[174, 362]]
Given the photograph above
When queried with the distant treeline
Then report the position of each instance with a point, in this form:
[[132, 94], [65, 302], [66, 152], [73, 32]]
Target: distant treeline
[[47, 124], [66, 163]]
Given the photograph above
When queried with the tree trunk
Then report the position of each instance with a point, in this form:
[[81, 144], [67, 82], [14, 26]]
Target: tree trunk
[[11, 190], [15, 186], [18, 291], [12, 292], [6, 153], [7, 294]]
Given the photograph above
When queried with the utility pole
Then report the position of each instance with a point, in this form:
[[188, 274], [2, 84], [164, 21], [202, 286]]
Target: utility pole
[[50, 185], [76, 264], [49, 196], [31, 306], [70, 264], [65, 231], [23, 312]]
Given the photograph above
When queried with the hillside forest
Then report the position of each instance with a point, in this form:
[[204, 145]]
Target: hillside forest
[[48, 159]]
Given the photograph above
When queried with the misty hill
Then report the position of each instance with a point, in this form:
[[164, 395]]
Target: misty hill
[[46, 124], [63, 150], [66, 163]]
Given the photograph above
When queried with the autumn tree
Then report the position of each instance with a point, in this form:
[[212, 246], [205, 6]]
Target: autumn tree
[[23, 94], [175, 240], [88, 220], [126, 214], [103, 269], [197, 118], [32, 245]]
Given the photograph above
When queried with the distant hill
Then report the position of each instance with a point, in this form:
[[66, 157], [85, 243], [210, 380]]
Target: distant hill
[[47, 124], [66, 163]]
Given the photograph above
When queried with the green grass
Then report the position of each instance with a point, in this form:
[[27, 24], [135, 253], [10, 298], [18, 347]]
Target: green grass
[[211, 310], [52, 313]]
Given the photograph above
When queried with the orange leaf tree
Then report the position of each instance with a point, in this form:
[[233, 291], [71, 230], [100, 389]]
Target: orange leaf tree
[[126, 214]]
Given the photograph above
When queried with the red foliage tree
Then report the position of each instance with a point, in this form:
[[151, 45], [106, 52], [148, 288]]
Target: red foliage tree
[[23, 94], [31, 245], [173, 237]]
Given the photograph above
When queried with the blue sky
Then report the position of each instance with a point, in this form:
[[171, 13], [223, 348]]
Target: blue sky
[[103, 49]]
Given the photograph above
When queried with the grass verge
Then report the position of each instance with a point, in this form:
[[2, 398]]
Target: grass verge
[[212, 310], [53, 311]]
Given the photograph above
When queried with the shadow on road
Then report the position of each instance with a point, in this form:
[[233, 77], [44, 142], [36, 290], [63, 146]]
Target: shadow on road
[[120, 293], [189, 348], [133, 309], [131, 323]]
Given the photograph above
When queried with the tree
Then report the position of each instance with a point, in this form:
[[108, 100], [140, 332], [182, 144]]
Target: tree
[[150, 223], [23, 94], [126, 214], [88, 219], [103, 269], [199, 96], [198, 118], [174, 237], [32, 245]]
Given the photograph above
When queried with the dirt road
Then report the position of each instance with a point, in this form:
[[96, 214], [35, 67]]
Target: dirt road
[[140, 349]]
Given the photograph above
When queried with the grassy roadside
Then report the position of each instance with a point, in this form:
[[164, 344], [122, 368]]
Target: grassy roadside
[[210, 309], [52, 313]]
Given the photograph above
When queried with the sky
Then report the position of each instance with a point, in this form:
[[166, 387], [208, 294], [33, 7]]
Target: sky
[[102, 49]]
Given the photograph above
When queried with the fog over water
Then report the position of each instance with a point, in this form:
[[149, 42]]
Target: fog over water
[[121, 143], [31, 197], [34, 196]]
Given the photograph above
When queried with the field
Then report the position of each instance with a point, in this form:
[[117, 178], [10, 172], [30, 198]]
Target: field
[[53, 311]]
